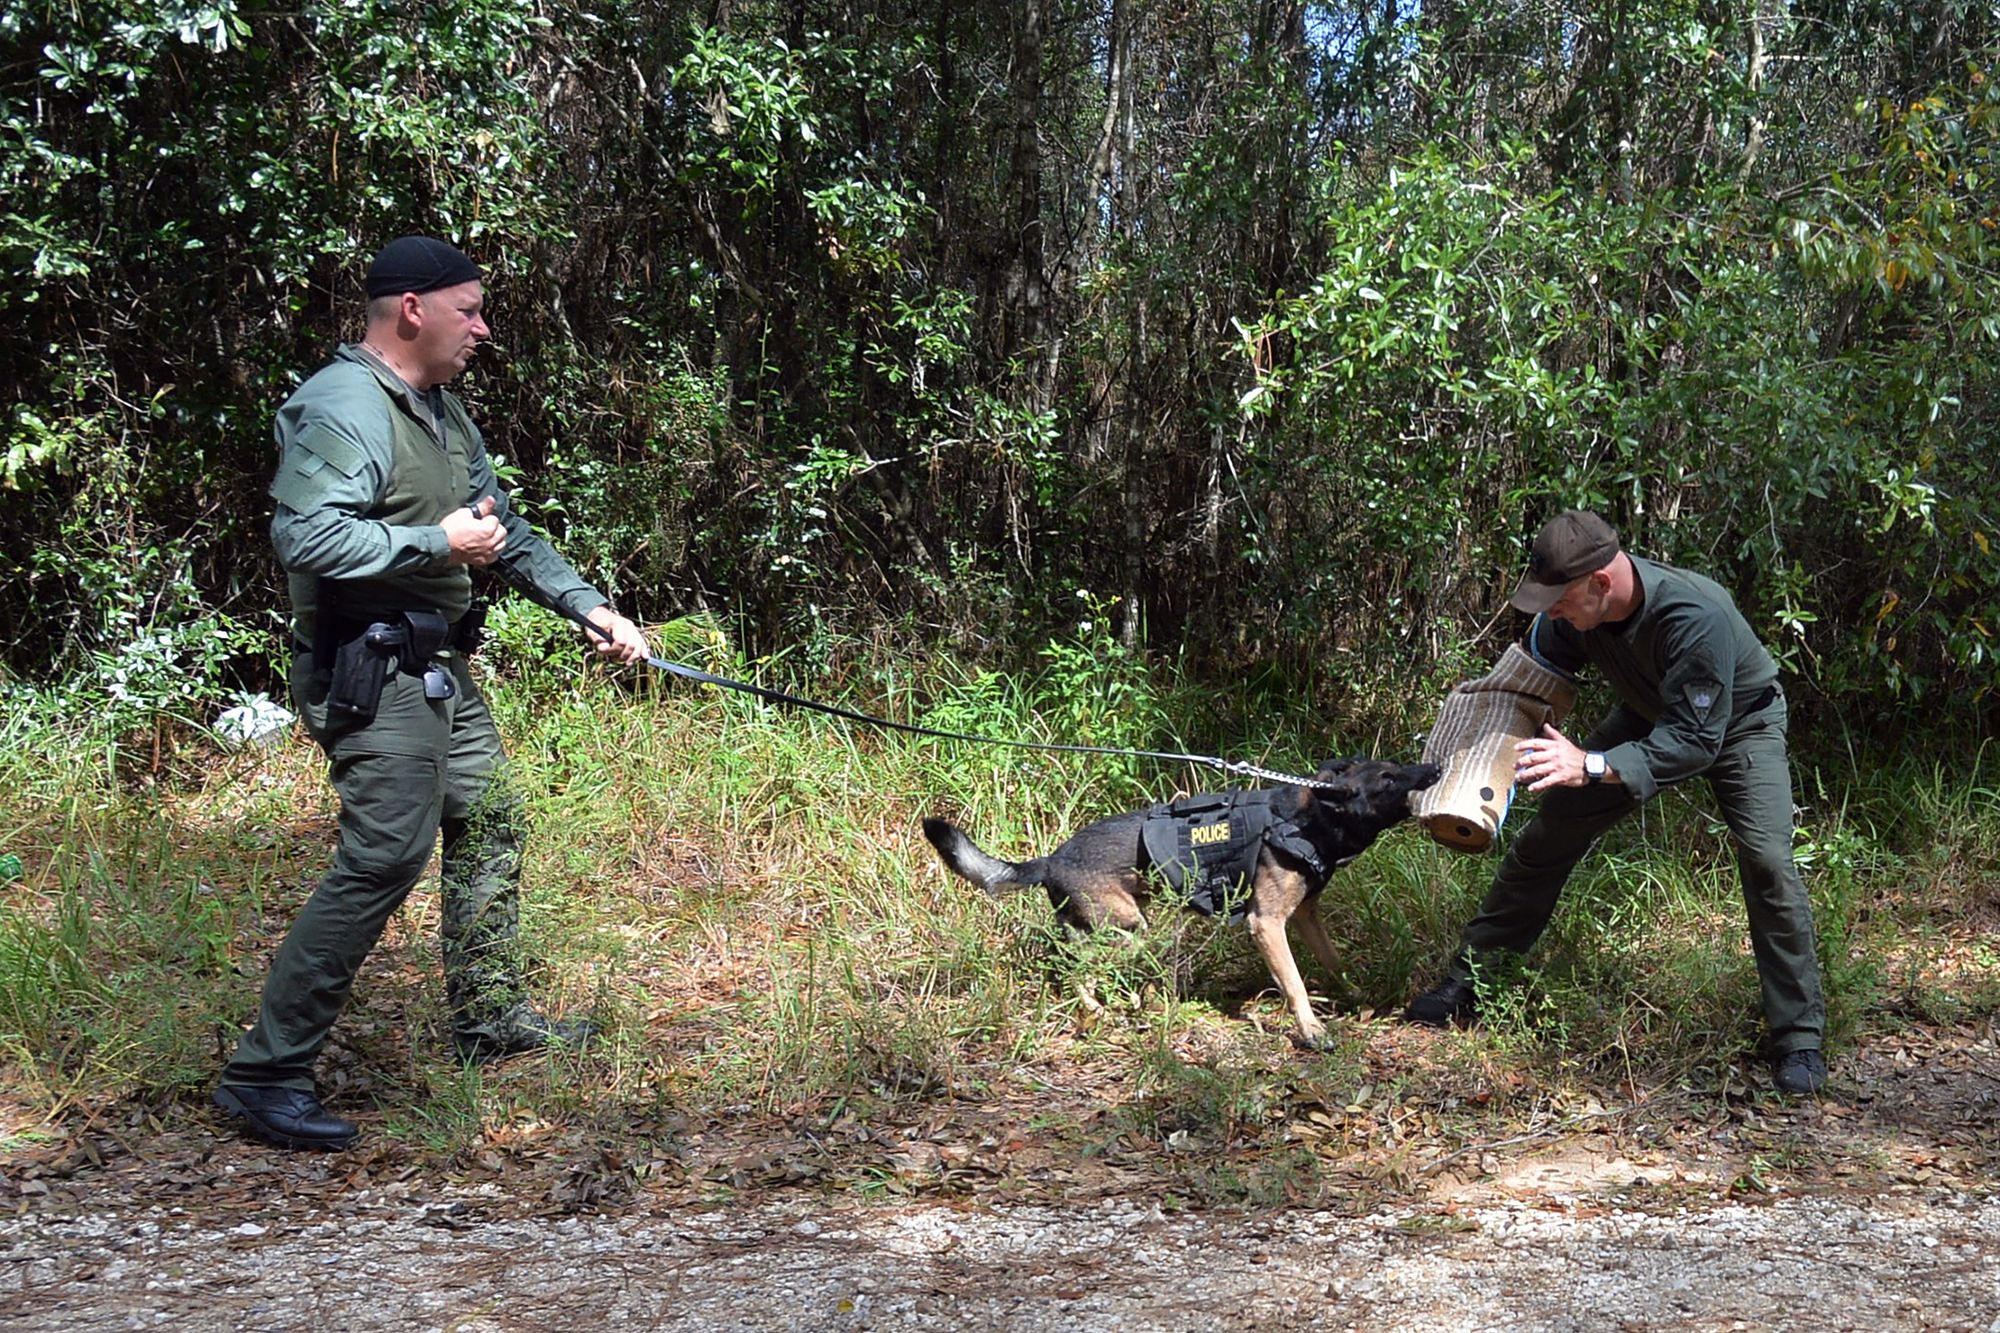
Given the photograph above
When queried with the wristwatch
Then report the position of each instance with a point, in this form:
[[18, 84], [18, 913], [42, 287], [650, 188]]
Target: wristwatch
[[1594, 767]]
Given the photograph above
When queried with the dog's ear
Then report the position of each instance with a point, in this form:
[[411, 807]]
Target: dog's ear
[[1333, 768], [1335, 792]]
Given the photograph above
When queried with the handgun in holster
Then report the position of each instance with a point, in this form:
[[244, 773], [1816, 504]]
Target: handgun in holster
[[361, 665]]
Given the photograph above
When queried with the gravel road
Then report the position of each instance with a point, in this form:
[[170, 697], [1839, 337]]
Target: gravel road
[[1812, 1263]]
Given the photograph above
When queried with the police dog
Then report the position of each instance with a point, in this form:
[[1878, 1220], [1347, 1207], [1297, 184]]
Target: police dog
[[1108, 873]]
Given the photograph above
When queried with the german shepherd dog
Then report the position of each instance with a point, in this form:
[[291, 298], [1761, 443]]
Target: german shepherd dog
[[1102, 876]]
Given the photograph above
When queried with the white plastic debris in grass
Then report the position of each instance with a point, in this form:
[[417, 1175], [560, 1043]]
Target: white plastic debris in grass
[[255, 721]]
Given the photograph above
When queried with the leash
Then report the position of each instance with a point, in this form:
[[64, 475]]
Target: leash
[[1234, 767]]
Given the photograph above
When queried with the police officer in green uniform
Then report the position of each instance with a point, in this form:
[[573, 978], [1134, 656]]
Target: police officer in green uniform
[[1698, 695], [385, 501]]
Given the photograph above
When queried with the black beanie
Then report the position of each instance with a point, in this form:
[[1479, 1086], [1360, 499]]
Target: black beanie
[[418, 264]]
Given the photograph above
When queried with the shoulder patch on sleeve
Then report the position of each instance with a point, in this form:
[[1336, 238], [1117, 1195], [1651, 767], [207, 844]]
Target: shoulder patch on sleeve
[[305, 485], [1701, 697], [336, 451]]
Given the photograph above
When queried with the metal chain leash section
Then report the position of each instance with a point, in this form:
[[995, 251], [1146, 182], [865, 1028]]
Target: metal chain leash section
[[1234, 767]]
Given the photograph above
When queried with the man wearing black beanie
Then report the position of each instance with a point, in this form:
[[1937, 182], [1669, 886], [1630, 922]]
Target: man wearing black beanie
[[385, 501]]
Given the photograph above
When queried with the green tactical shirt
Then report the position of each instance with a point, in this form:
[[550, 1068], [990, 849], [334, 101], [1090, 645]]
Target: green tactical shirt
[[1685, 661], [368, 467]]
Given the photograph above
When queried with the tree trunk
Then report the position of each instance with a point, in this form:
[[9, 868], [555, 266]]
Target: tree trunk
[[1023, 306]]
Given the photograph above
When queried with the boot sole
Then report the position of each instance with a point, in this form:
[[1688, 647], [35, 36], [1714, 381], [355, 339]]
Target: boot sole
[[492, 1055], [488, 1050], [1456, 1018]]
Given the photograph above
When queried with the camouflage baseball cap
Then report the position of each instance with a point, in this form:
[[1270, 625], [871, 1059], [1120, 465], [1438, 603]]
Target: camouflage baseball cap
[[1572, 544]]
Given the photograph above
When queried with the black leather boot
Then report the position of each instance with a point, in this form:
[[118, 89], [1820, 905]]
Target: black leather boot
[[285, 1117], [1449, 1002], [1800, 1073]]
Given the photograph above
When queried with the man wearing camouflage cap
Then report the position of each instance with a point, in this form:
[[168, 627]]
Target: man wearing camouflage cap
[[386, 500], [1698, 696]]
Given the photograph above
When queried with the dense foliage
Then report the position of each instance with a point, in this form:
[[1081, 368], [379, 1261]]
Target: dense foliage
[[1282, 323]]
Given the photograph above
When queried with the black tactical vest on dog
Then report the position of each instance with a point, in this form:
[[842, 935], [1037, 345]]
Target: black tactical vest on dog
[[1205, 847]]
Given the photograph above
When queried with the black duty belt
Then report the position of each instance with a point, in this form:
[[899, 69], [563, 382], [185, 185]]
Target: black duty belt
[[425, 632]]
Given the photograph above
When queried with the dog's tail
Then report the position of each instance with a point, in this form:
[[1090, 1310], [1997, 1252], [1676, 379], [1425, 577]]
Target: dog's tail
[[964, 857]]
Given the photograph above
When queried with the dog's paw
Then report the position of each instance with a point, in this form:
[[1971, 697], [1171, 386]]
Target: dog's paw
[[1314, 1038]]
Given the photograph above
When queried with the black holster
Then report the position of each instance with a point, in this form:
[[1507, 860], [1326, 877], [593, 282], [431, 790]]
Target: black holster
[[361, 664]]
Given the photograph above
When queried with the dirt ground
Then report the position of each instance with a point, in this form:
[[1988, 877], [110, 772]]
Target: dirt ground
[[1872, 1208]]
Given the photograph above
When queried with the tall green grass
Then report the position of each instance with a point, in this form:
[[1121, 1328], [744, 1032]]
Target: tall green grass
[[743, 895], [117, 957]]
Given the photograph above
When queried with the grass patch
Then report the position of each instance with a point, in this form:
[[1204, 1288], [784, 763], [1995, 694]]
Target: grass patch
[[743, 898]]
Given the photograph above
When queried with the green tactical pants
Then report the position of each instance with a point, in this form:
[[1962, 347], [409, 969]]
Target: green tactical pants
[[421, 765], [1752, 782]]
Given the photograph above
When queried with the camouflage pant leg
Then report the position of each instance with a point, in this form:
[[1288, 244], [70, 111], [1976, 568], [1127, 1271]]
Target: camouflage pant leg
[[480, 898]]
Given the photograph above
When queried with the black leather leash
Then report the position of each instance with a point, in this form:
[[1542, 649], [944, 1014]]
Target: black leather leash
[[1235, 767]]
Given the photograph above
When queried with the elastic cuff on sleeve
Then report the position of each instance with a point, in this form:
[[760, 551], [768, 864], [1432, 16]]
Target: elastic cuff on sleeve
[[1629, 762], [433, 541], [584, 603]]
